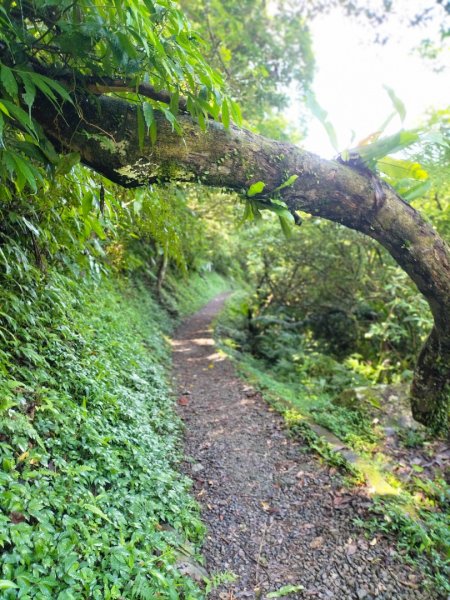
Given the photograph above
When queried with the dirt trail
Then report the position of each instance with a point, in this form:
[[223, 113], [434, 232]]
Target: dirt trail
[[275, 515]]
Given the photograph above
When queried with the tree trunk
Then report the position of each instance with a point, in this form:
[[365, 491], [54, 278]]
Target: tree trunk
[[104, 131]]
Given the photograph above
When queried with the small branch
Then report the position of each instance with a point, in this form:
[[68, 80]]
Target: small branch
[[106, 86]]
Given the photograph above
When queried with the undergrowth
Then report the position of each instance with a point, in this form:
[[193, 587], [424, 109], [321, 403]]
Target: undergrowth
[[301, 383], [89, 490], [302, 377]]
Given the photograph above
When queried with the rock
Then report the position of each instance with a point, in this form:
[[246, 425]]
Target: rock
[[191, 568], [374, 399]]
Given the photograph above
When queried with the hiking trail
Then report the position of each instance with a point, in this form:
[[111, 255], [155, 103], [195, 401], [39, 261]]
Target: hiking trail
[[275, 515]]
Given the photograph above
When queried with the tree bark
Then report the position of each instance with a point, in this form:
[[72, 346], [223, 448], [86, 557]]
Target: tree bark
[[104, 131]]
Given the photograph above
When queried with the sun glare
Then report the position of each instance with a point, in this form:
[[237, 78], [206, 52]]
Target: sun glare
[[352, 71]]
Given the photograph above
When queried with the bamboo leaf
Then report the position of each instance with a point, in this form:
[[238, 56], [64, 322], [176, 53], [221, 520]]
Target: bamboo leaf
[[8, 81], [30, 91], [398, 104], [149, 114], [292, 179], [417, 191], [140, 127], [225, 115], [235, 111]]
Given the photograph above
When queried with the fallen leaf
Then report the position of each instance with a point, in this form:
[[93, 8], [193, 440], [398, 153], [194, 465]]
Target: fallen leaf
[[350, 549], [16, 517], [183, 401], [23, 456], [342, 501]]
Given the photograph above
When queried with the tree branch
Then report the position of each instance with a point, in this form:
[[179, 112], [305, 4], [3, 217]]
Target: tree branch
[[104, 85], [235, 159]]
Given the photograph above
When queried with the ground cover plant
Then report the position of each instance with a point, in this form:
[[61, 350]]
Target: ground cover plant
[[90, 494]]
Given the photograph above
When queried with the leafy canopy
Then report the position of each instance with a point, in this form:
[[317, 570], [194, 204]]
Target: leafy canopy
[[53, 48]]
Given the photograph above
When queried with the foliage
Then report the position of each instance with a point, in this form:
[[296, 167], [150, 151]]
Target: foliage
[[89, 445], [306, 381], [47, 49], [420, 523], [187, 299], [260, 49], [332, 291]]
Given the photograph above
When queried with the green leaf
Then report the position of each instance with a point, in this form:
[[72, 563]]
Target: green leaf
[[175, 102], [398, 104], [30, 91], [201, 120], [49, 87], [6, 584], [67, 162], [97, 511], [172, 119], [256, 188], [21, 116], [248, 212], [285, 226], [4, 110], [25, 174], [59, 89], [400, 169], [285, 590], [31, 227], [321, 114], [140, 127], [8, 81], [225, 115], [417, 191], [388, 145], [153, 132], [236, 114], [149, 114], [292, 179]]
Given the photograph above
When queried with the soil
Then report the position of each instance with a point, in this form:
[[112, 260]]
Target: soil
[[275, 515]]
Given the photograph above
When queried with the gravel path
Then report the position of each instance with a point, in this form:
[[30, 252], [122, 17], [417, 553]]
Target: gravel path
[[275, 515]]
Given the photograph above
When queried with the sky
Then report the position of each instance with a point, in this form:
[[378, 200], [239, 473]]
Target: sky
[[351, 71]]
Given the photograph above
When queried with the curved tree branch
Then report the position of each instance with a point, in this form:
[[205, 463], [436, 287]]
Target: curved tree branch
[[237, 158]]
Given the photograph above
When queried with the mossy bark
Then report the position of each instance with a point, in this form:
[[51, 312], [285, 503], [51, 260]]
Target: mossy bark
[[104, 131]]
